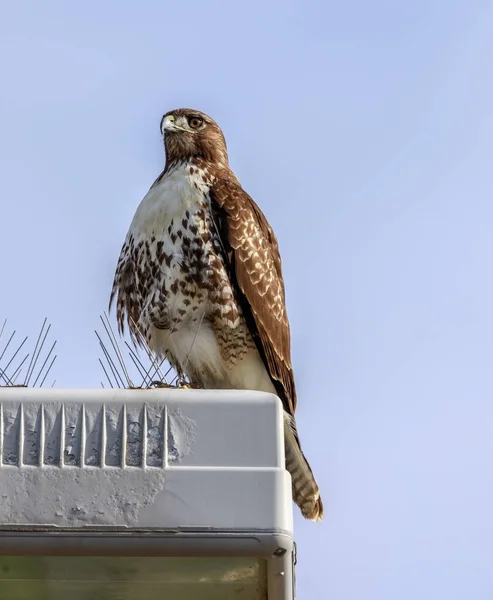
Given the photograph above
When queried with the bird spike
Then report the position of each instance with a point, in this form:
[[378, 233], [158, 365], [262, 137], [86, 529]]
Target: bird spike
[[3, 327], [153, 359], [113, 362], [13, 362], [114, 342], [121, 368]]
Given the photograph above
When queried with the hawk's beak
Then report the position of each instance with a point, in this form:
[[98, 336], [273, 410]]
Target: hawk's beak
[[168, 125]]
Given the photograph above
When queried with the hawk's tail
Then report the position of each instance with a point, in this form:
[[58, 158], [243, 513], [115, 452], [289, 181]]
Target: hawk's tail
[[305, 489]]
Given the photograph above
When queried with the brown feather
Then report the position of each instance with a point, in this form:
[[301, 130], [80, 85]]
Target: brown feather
[[256, 263]]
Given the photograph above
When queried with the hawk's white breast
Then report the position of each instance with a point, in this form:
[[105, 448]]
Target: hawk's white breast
[[177, 192], [175, 208]]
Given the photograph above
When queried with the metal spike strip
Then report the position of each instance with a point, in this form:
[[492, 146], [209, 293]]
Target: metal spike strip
[[116, 347], [11, 366], [122, 368]]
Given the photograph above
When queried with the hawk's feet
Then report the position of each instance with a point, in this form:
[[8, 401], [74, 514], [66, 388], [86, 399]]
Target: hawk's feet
[[159, 384], [182, 384]]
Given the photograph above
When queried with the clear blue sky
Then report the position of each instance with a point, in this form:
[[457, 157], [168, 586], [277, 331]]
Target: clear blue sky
[[364, 130]]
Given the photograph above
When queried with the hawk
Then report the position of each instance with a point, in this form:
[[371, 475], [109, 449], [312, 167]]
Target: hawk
[[199, 278]]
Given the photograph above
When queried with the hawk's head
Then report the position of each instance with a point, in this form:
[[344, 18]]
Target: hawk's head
[[192, 134]]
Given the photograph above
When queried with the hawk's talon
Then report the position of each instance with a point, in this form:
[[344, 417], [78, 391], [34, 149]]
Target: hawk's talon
[[182, 384], [159, 384]]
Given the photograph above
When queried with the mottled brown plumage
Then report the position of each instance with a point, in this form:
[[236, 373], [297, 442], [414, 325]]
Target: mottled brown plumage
[[199, 276]]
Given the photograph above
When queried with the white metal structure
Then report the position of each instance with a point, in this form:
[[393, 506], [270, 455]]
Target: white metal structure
[[143, 493]]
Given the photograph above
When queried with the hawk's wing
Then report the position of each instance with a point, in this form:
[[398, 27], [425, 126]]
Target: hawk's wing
[[252, 254]]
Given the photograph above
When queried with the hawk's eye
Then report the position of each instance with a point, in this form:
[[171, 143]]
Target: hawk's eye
[[195, 122]]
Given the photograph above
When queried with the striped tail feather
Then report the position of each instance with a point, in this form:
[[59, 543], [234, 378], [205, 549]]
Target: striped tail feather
[[306, 493]]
